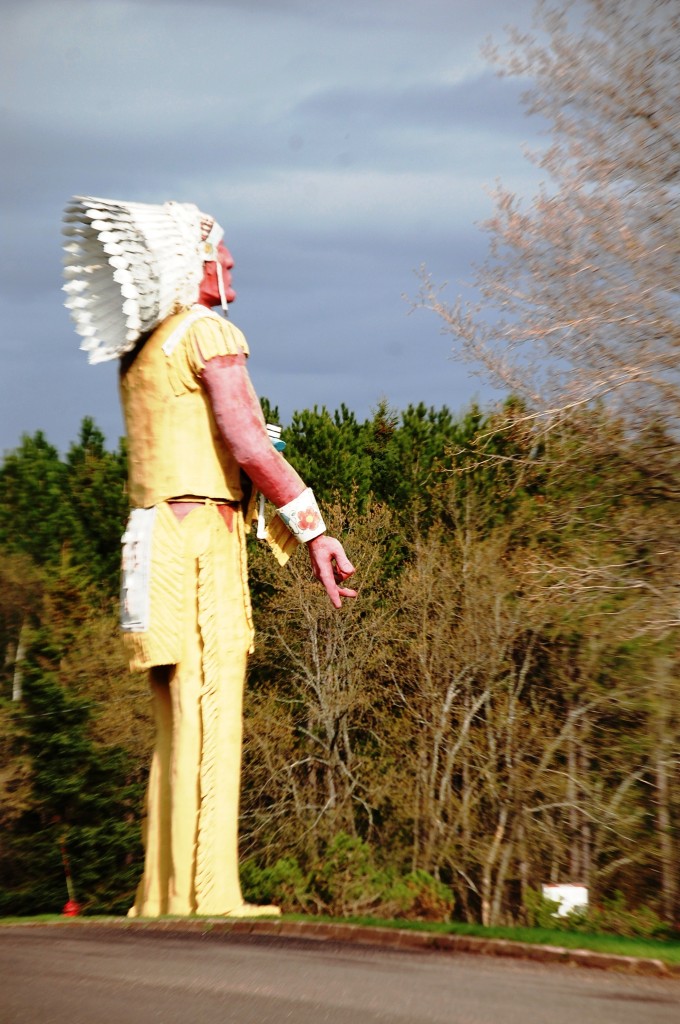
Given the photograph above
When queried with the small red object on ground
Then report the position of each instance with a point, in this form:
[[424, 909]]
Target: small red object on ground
[[71, 909]]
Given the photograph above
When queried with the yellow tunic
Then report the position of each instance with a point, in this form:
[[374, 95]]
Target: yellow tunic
[[200, 626], [174, 444]]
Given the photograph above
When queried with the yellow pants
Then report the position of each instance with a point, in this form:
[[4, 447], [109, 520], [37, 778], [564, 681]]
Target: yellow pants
[[191, 828]]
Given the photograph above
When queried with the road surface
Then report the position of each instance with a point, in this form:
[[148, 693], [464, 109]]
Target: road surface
[[59, 975]]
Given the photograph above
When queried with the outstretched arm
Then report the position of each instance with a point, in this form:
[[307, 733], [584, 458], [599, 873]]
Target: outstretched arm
[[239, 418]]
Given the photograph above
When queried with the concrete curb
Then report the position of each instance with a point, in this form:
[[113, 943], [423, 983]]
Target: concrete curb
[[394, 938]]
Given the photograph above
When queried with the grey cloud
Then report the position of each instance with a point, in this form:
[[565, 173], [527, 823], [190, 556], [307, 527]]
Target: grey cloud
[[457, 16], [485, 102]]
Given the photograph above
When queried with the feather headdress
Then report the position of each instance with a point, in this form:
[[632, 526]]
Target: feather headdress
[[128, 266]]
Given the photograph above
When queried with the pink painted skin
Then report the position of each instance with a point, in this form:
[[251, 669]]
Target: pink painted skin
[[239, 417], [209, 289]]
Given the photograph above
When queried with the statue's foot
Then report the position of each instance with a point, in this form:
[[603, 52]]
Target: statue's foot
[[242, 910], [252, 910]]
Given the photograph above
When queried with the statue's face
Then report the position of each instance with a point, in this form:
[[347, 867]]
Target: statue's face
[[209, 291]]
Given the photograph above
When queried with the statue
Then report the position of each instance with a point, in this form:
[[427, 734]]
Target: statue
[[141, 283]]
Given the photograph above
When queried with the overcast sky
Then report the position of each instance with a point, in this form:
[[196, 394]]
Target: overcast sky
[[341, 146]]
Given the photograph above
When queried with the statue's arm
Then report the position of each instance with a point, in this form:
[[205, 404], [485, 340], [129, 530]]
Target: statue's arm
[[239, 418]]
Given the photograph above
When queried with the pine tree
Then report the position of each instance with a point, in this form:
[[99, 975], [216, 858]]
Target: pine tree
[[76, 790], [95, 483], [34, 514]]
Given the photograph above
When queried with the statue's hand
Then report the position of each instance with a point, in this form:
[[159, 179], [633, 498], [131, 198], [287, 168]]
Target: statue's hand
[[331, 567]]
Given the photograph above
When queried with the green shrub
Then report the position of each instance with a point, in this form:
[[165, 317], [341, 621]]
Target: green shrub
[[346, 882], [284, 884], [614, 917], [420, 897], [541, 912], [610, 916]]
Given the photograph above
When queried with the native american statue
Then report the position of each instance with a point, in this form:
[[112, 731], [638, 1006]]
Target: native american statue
[[141, 284]]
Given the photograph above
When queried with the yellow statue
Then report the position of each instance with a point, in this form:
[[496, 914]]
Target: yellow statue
[[141, 282]]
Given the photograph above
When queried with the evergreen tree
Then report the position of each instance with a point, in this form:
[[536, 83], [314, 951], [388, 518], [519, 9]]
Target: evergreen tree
[[95, 484], [329, 452], [77, 791], [34, 515]]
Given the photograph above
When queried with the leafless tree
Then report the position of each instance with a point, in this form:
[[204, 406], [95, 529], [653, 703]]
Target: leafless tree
[[311, 742], [579, 299]]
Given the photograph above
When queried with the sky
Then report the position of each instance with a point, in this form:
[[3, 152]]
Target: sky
[[341, 146]]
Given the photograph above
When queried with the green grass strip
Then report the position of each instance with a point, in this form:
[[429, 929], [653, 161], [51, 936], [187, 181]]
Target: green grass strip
[[667, 950]]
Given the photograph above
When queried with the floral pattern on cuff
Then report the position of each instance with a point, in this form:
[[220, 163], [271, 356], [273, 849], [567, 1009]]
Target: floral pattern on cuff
[[302, 516]]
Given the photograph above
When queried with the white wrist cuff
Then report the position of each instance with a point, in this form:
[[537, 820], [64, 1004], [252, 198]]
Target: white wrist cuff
[[302, 516]]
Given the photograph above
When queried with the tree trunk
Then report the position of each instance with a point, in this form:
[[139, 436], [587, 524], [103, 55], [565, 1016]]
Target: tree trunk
[[586, 838], [662, 755], [18, 675], [572, 801], [489, 864]]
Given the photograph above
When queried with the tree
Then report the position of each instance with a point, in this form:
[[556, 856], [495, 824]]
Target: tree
[[20, 589], [33, 514], [459, 672], [312, 740], [327, 448], [51, 509], [584, 280], [98, 505], [75, 769], [76, 731]]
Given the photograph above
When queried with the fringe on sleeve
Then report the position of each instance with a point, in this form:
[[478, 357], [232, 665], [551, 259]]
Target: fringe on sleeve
[[281, 541], [204, 339], [279, 538]]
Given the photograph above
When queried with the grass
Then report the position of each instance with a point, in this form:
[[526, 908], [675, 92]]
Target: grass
[[667, 950]]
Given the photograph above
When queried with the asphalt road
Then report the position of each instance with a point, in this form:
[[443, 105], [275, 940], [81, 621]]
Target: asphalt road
[[55, 975]]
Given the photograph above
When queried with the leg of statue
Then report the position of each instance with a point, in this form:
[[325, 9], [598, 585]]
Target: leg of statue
[[185, 694], [152, 893], [223, 624], [191, 864]]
